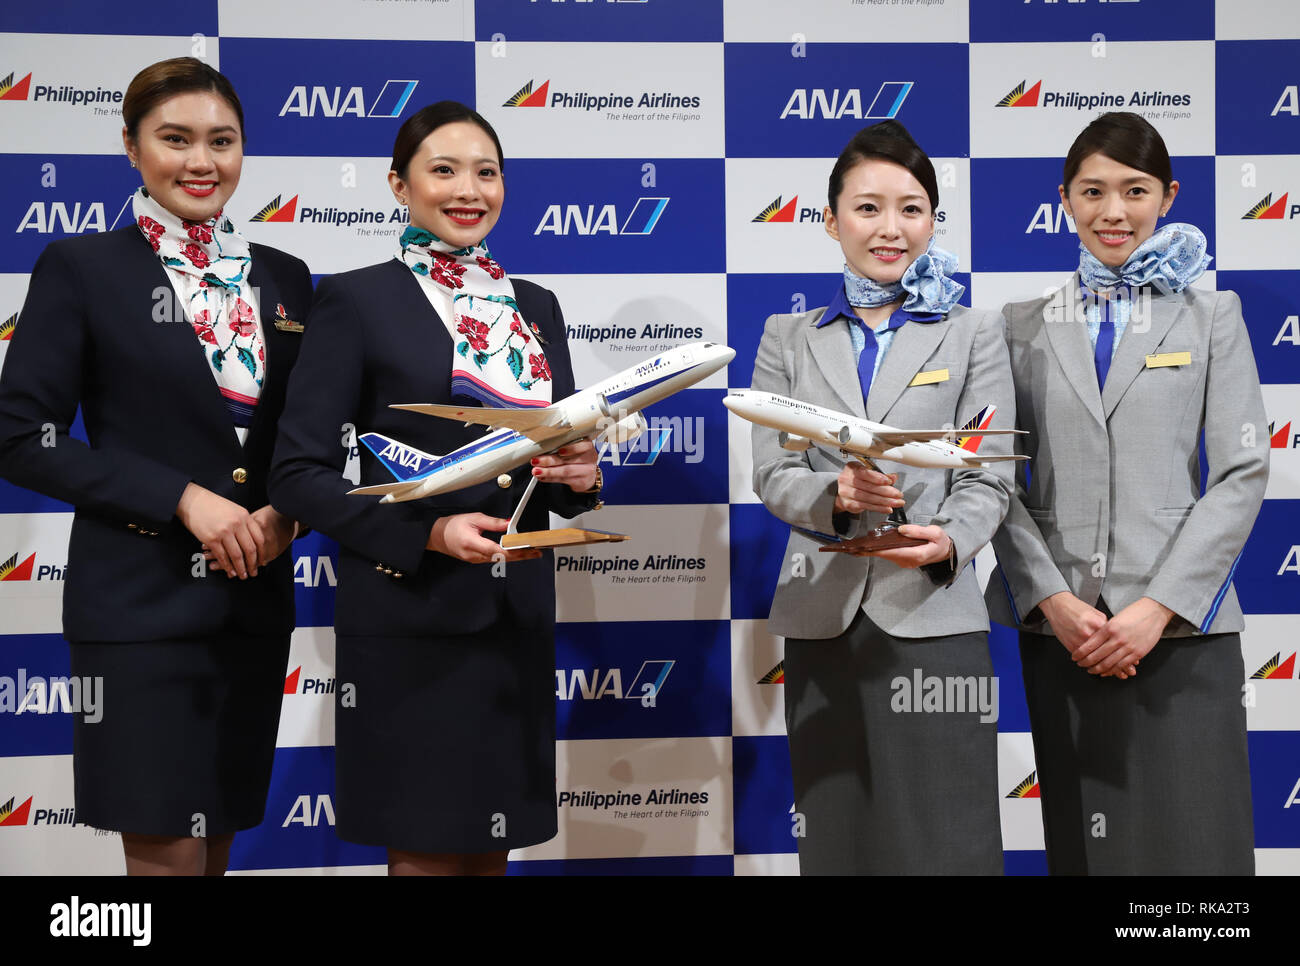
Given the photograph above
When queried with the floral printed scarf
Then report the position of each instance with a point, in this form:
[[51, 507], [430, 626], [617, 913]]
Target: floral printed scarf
[[499, 359], [208, 263]]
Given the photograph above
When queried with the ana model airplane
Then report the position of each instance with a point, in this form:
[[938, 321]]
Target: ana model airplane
[[802, 425], [608, 411]]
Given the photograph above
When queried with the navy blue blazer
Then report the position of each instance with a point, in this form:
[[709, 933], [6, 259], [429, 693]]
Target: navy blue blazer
[[101, 329], [372, 340]]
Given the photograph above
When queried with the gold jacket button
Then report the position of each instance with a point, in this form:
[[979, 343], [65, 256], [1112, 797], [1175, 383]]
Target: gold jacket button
[[240, 475]]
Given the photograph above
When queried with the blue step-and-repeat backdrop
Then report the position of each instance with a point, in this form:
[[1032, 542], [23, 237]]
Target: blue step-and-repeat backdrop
[[666, 178]]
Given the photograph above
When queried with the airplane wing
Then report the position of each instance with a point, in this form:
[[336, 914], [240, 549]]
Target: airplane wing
[[984, 460], [538, 424], [396, 490], [898, 437]]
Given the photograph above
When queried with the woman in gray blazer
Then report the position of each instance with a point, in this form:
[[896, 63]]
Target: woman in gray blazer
[[1115, 567], [890, 696]]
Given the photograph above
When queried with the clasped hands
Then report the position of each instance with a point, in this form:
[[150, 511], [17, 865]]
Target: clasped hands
[[1106, 647], [234, 540], [460, 535], [861, 489]]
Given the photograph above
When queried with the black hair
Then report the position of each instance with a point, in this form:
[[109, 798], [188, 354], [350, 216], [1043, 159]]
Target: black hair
[[886, 141], [426, 120], [1124, 137], [167, 78]]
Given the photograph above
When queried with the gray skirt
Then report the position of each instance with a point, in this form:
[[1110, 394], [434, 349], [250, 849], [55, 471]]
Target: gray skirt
[[1148, 776], [894, 771]]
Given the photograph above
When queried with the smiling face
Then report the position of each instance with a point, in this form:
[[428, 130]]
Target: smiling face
[[883, 220], [190, 151], [1114, 207], [453, 184]]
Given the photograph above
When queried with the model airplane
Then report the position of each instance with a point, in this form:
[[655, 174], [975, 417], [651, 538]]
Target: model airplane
[[608, 411], [802, 425]]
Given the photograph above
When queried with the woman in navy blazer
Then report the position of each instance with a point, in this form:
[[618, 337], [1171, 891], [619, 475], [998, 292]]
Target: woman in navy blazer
[[445, 724], [174, 471]]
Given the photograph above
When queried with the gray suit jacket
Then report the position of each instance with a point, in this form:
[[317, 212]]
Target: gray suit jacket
[[819, 593], [1111, 508]]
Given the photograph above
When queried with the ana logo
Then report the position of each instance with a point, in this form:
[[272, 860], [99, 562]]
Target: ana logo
[[389, 102], [11, 569], [7, 327], [15, 816], [1019, 97], [587, 220], [322, 575], [9, 91], [778, 212], [1050, 219], [576, 682], [1027, 788], [274, 211], [1282, 439], [1287, 103], [886, 103], [774, 676], [1275, 669], [1268, 209], [527, 97], [641, 451], [47, 217], [309, 815]]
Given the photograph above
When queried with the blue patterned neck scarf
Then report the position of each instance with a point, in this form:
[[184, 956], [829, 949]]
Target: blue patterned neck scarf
[[1171, 259], [926, 282]]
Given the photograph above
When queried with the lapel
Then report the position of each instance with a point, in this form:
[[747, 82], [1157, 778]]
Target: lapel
[[403, 301], [1144, 333], [913, 344], [273, 340], [832, 347], [1067, 332], [178, 350]]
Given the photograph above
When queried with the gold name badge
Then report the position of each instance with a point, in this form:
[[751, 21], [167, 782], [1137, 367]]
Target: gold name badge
[[928, 378], [1169, 359]]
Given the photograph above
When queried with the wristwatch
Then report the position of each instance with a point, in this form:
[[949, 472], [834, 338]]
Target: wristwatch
[[595, 490]]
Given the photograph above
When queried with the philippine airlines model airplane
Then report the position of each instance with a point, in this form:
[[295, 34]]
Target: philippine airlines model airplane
[[608, 411], [802, 425]]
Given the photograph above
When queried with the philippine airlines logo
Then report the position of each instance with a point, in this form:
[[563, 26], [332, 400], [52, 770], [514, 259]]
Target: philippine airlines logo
[[295, 683], [7, 327], [274, 211], [1282, 439], [9, 91], [809, 104], [1019, 97], [1027, 788], [1268, 209], [981, 420], [339, 101], [15, 816], [777, 211], [527, 97], [597, 219], [11, 569], [774, 676], [1275, 669]]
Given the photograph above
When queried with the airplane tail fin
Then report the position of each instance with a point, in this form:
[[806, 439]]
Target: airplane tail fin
[[404, 462], [981, 420]]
